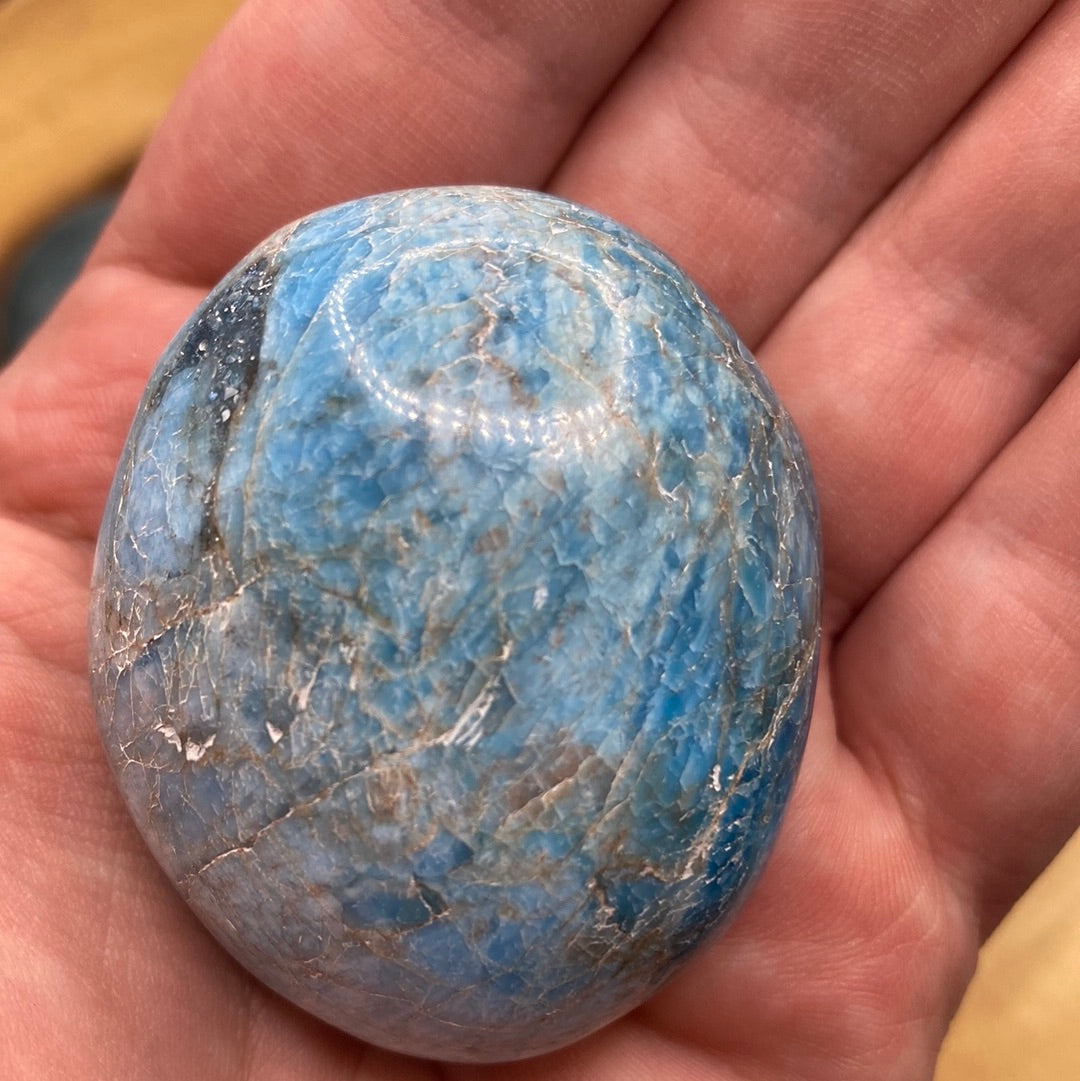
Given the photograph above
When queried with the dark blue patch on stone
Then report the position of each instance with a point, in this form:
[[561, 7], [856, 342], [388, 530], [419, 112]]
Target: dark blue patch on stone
[[455, 618]]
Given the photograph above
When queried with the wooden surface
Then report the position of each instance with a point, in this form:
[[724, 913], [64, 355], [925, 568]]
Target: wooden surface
[[1020, 1020], [82, 85], [84, 82]]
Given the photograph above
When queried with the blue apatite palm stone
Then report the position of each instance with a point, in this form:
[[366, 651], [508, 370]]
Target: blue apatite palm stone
[[456, 616]]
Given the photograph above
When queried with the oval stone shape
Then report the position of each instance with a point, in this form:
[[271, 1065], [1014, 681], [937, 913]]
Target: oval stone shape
[[455, 618]]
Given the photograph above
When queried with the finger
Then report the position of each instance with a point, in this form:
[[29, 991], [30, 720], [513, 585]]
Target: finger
[[938, 331], [963, 669], [295, 108], [749, 137]]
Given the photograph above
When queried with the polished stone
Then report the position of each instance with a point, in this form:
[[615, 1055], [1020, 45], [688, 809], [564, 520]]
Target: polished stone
[[455, 618]]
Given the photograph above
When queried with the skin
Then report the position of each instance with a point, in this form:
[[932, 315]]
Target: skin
[[883, 198]]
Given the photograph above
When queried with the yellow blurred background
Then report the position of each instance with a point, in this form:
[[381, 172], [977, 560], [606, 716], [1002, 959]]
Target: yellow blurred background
[[83, 83]]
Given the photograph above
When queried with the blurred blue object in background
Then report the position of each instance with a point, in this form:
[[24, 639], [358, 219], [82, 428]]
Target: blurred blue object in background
[[47, 269]]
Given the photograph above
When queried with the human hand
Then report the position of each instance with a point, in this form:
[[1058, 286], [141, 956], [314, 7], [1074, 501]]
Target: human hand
[[903, 260]]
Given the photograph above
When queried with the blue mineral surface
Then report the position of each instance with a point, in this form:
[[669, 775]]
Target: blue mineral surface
[[455, 618]]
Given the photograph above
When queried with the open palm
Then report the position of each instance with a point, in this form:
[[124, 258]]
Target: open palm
[[883, 199]]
